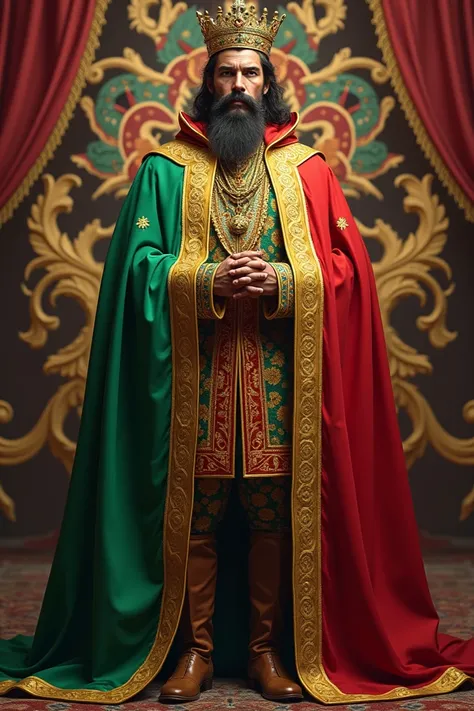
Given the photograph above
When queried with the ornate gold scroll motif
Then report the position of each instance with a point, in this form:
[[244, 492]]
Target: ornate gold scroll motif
[[143, 23], [306, 495], [406, 269], [71, 271], [309, 305]]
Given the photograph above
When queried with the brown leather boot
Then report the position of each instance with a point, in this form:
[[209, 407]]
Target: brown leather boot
[[269, 581], [193, 673]]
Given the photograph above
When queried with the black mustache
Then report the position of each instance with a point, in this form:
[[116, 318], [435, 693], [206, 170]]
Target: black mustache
[[222, 104]]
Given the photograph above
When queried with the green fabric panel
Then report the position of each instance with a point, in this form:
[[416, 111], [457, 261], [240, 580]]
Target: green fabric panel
[[100, 612]]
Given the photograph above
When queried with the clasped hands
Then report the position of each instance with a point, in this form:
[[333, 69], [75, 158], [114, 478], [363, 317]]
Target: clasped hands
[[245, 275]]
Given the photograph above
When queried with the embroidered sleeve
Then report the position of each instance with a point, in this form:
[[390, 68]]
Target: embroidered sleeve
[[207, 305], [286, 293]]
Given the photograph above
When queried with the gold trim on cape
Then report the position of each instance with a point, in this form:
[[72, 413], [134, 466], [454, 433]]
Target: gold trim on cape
[[421, 134], [200, 167], [56, 136], [199, 174], [307, 413]]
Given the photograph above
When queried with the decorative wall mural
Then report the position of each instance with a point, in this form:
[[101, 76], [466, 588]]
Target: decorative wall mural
[[136, 110], [341, 114]]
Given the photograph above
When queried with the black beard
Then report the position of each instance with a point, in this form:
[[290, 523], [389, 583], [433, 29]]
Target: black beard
[[235, 134]]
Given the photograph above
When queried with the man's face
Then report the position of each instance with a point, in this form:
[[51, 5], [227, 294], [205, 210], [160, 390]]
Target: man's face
[[238, 71]]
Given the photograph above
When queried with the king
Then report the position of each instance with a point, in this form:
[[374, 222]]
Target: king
[[239, 504]]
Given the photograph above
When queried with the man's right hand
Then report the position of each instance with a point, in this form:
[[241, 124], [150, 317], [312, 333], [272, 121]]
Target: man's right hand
[[224, 282]]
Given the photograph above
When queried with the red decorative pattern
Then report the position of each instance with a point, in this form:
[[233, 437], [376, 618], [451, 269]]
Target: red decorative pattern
[[260, 456], [237, 339], [215, 456]]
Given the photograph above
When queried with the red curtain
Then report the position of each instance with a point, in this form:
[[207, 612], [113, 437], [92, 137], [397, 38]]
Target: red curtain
[[42, 43], [433, 43]]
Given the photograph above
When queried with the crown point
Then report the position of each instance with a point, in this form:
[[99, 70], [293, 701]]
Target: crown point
[[240, 27]]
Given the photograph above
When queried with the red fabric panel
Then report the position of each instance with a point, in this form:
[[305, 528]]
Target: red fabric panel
[[41, 45], [379, 625], [434, 46]]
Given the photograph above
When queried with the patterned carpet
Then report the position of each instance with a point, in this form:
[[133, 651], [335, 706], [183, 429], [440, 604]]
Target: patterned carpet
[[23, 577]]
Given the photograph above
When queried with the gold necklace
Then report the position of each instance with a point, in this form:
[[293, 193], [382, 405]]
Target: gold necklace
[[239, 203], [239, 187]]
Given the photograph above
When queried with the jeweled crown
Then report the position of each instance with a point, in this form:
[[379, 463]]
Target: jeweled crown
[[241, 27]]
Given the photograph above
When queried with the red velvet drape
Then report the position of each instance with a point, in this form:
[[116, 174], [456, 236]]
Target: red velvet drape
[[41, 46], [433, 42]]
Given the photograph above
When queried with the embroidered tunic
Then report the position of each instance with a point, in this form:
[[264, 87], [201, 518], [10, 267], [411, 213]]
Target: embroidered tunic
[[246, 356]]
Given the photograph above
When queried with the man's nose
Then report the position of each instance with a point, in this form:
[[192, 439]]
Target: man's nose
[[239, 82]]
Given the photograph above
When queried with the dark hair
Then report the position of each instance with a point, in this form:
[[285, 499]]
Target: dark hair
[[275, 108]]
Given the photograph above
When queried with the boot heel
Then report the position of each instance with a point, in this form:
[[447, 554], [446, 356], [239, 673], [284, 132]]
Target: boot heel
[[252, 684], [206, 685]]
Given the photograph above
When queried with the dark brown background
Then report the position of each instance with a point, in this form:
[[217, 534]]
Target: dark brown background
[[39, 486]]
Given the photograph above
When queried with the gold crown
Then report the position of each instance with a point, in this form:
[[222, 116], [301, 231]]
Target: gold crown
[[239, 28]]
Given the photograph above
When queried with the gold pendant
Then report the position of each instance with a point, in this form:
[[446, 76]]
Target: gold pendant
[[238, 224]]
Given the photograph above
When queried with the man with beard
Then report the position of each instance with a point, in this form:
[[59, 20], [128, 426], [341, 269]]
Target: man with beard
[[245, 309], [238, 349]]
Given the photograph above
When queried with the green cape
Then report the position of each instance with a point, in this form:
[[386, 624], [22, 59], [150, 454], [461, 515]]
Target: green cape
[[104, 598]]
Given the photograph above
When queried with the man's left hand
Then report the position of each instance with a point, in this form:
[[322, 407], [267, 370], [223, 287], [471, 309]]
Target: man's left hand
[[247, 279]]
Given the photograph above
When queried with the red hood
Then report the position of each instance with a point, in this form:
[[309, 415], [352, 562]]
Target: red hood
[[195, 131]]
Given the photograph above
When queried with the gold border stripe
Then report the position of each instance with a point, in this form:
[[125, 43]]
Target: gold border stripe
[[421, 134], [198, 181], [56, 136], [309, 308]]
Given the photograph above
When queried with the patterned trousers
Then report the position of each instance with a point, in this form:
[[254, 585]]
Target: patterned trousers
[[266, 500]]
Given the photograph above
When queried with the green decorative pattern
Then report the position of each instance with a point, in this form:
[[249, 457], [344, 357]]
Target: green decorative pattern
[[206, 308], [286, 292], [266, 501]]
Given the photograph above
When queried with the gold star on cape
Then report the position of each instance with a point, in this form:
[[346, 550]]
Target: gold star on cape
[[342, 223], [142, 223]]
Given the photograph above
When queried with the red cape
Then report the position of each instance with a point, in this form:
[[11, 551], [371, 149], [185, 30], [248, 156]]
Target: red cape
[[379, 624]]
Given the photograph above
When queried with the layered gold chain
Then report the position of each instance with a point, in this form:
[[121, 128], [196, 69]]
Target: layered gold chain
[[239, 203]]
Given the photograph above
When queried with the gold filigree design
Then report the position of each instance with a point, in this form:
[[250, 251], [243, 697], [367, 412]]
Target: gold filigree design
[[307, 404], [71, 271], [65, 116], [344, 62], [421, 134], [306, 491], [140, 20], [404, 270], [132, 63], [332, 21]]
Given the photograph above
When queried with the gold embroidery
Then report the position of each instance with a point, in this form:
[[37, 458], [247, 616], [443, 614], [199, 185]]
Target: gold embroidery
[[142, 223], [306, 484], [342, 223], [198, 178]]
